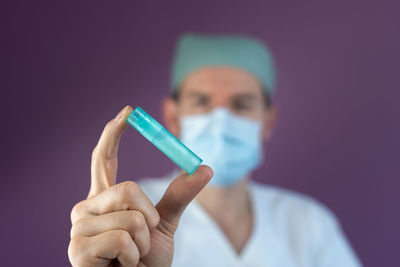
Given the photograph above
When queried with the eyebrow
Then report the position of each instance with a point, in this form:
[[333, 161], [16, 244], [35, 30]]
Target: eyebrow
[[244, 96], [239, 98], [248, 97], [196, 94]]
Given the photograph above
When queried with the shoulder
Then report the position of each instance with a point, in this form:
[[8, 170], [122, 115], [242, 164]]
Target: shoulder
[[303, 225], [293, 210]]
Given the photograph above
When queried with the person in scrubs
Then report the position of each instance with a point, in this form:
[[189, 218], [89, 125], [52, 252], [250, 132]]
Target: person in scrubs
[[220, 107]]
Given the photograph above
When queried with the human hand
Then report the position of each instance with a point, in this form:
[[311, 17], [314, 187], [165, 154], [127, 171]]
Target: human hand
[[118, 225]]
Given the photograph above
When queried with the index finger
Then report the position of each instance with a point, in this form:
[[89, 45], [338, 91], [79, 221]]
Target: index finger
[[104, 157]]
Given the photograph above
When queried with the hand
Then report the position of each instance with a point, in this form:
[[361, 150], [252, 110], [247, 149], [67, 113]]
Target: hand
[[117, 225]]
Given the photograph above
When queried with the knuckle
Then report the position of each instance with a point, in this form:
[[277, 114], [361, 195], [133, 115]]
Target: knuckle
[[75, 251], [129, 189], [107, 127], [77, 227], [125, 243], [137, 220], [137, 224], [154, 220], [97, 153], [76, 211], [124, 239], [94, 152], [144, 245], [72, 232]]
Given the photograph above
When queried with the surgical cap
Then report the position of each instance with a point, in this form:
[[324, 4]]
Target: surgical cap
[[194, 51]]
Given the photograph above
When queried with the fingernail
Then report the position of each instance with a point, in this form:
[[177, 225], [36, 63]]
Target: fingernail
[[121, 113]]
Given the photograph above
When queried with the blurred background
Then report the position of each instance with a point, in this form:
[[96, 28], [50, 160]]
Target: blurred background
[[67, 67]]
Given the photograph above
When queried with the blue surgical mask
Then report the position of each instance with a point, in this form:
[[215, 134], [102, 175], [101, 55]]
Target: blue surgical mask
[[229, 144]]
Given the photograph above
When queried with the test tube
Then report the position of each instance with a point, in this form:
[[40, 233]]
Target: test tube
[[164, 140]]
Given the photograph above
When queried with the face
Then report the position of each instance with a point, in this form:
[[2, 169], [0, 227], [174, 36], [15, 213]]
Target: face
[[210, 87]]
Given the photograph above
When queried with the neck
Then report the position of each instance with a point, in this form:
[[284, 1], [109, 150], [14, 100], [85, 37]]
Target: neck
[[233, 201], [231, 209]]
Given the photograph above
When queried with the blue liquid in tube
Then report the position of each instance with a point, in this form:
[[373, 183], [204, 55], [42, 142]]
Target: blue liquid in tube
[[164, 140]]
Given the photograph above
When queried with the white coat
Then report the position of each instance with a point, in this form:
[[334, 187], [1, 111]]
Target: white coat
[[290, 230]]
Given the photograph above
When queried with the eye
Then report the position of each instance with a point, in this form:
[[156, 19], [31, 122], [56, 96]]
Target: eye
[[201, 101], [245, 103], [242, 105]]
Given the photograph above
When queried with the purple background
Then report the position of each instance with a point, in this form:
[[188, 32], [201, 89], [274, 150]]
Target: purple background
[[67, 67]]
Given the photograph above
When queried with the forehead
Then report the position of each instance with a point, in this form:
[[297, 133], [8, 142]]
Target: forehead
[[225, 80]]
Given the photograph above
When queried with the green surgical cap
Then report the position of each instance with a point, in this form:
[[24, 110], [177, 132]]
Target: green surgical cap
[[194, 51]]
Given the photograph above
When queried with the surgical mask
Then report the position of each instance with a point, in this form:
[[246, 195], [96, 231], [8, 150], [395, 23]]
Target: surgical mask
[[229, 144]]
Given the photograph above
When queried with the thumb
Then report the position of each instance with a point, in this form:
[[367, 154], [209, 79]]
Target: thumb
[[178, 195]]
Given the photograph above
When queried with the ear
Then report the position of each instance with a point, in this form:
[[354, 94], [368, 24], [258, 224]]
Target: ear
[[171, 116], [270, 117]]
